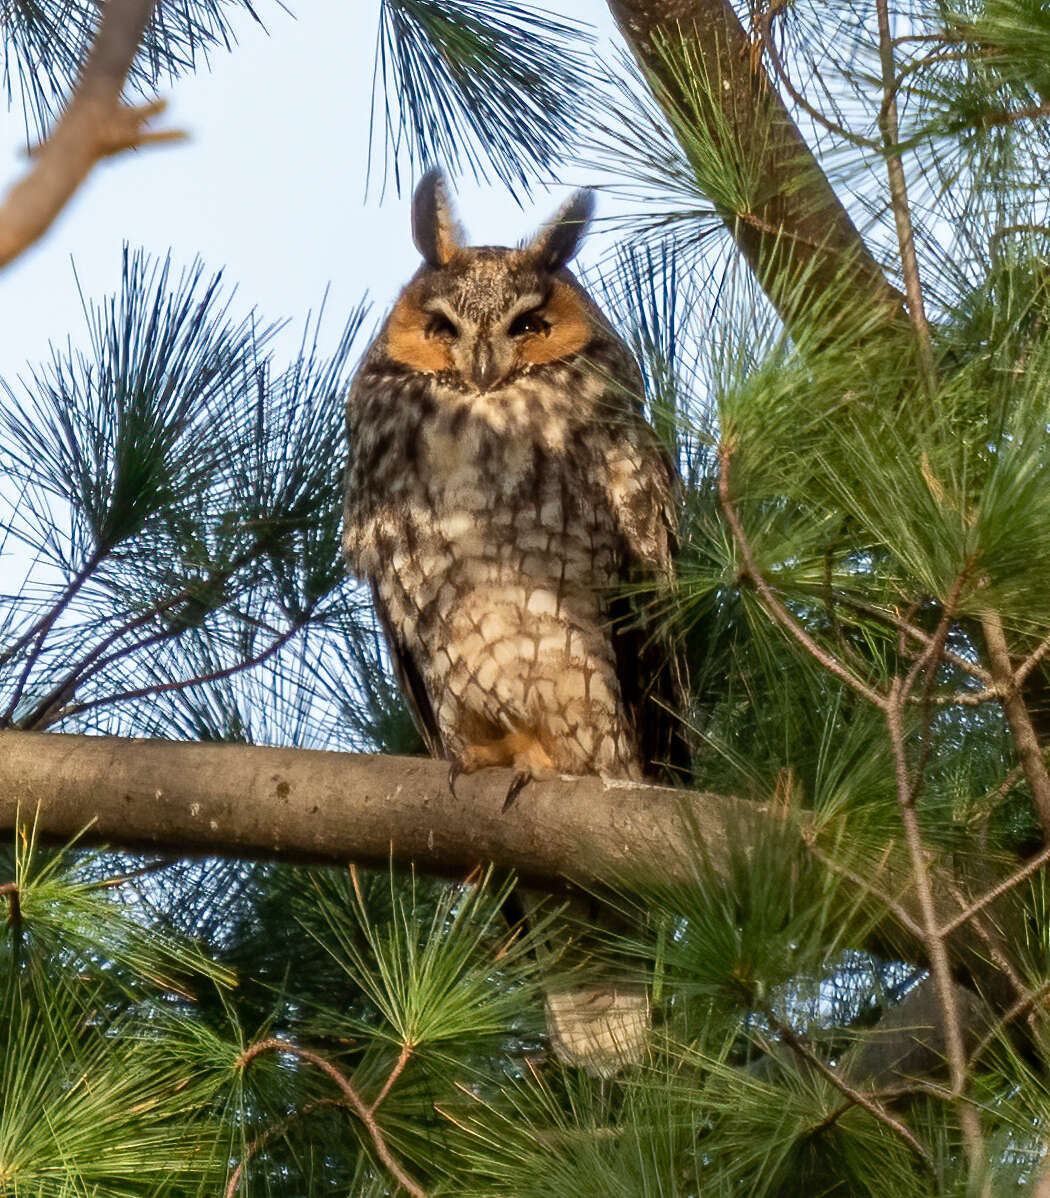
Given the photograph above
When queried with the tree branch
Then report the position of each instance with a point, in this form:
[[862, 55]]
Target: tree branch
[[95, 125], [799, 240], [1026, 739], [353, 1100], [310, 806]]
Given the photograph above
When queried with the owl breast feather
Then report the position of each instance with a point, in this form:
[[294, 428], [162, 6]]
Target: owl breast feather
[[483, 524]]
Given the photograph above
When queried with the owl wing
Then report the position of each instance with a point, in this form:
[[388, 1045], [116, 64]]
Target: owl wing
[[642, 487], [410, 680]]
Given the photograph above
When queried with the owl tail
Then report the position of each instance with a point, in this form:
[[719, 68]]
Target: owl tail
[[600, 1021], [602, 1028]]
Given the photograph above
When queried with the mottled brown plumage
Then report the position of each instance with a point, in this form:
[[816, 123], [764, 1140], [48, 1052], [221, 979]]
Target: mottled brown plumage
[[503, 487]]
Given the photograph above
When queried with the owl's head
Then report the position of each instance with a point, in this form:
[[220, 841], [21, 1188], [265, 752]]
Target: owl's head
[[482, 315]]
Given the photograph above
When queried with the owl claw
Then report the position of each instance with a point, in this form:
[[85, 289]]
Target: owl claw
[[517, 784], [454, 771]]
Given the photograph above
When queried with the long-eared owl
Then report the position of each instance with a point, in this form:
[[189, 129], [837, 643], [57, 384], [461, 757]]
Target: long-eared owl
[[504, 493]]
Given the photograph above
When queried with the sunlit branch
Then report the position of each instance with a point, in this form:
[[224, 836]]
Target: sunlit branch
[[95, 125]]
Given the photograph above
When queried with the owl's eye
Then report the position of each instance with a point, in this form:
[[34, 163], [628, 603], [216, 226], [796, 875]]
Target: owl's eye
[[440, 326], [528, 323]]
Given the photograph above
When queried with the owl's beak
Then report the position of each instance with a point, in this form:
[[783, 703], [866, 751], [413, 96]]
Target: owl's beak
[[485, 369]]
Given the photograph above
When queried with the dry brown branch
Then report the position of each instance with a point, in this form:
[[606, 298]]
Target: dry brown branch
[[364, 1111], [875, 1108], [1025, 738], [934, 941], [828, 660], [899, 197], [96, 124]]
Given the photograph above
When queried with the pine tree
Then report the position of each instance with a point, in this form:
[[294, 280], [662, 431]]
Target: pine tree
[[834, 267]]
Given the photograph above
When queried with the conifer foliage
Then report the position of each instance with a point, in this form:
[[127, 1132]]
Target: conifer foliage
[[833, 260]]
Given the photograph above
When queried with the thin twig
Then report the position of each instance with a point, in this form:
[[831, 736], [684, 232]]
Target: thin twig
[[764, 22], [1031, 661], [1030, 867], [899, 199], [788, 1035], [395, 1073], [46, 621], [933, 940], [777, 609], [900, 913], [98, 658], [1026, 740], [974, 669], [1006, 116], [363, 1111], [1021, 1007], [40, 630], [929, 660], [266, 1136], [159, 688]]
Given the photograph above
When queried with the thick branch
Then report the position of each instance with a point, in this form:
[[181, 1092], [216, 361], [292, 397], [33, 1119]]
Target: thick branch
[[308, 806], [798, 239], [95, 125], [305, 805]]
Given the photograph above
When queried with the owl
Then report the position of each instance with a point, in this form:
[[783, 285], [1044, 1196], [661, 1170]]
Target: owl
[[505, 496]]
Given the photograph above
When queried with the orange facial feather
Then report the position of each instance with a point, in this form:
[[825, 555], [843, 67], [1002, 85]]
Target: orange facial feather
[[569, 329], [407, 340]]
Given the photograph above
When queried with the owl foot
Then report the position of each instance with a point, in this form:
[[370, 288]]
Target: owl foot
[[520, 750]]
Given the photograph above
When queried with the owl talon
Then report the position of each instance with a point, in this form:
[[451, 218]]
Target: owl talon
[[454, 771], [517, 784]]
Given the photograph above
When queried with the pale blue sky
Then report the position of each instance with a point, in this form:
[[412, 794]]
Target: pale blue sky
[[271, 186]]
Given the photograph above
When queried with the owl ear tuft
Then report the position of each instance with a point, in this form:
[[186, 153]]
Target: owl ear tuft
[[557, 242], [434, 228]]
